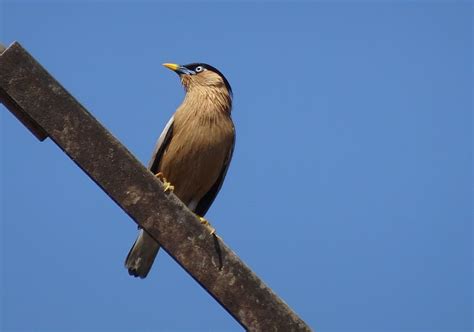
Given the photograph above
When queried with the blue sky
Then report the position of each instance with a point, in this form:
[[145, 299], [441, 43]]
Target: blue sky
[[350, 190]]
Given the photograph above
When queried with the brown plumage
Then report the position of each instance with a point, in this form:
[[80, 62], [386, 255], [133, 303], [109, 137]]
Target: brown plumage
[[193, 152]]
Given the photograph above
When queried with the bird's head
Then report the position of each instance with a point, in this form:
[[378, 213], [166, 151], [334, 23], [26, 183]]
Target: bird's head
[[200, 75]]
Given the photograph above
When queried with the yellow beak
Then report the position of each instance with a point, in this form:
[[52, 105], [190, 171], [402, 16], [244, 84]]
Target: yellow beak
[[172, 66]]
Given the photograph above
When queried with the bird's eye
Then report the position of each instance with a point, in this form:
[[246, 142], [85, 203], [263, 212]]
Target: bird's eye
[[199, 69]]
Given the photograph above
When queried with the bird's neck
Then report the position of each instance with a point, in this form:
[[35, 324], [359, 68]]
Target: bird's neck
[[213, 99]]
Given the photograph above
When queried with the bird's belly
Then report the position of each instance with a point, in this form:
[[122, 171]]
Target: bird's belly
[[194, 160]]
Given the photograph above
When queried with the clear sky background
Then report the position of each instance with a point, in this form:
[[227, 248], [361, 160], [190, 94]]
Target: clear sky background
[[350, 190]]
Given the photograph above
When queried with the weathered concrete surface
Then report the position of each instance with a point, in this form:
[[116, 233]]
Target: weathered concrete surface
[[48, 110]]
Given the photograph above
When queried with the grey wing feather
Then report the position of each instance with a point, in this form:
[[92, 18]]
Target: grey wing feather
[[160, 146], [144, 250], [206, 202]]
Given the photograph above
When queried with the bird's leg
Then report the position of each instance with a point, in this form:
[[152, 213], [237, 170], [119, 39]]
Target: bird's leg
[[160, 176], [208, 225], [166, 184]]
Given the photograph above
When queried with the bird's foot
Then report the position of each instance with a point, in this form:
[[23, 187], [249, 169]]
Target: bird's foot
[[208, 225], [166, 184]]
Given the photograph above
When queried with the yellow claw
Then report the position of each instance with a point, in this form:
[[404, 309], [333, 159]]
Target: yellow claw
[[166, 184], [168, 187], [208, 225]]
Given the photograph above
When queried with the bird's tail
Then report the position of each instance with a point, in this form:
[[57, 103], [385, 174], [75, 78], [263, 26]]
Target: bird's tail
[[142, 254]]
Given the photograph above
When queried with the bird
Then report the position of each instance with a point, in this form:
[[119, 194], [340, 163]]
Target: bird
[[193, 153]]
